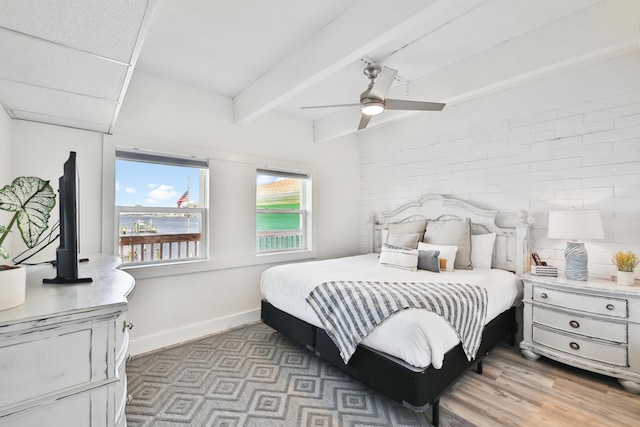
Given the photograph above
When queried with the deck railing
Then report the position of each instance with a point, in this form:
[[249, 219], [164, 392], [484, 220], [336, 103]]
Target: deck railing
[[156, 247], [278, 240]]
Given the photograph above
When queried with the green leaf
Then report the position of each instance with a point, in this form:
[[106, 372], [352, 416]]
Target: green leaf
[[33, 199], [3, 252]]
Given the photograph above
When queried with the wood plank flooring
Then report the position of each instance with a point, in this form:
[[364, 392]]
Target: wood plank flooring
[[513, 391]]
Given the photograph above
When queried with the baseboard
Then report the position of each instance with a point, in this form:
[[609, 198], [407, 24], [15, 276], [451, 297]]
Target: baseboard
[[172, 337]]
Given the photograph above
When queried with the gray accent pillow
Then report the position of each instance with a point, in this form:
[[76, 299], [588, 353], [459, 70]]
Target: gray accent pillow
[[409, 240], [454, 232], [408, 227], [428, 260]]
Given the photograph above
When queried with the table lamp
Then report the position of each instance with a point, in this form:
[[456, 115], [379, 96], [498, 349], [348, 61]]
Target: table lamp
[[575, 225]]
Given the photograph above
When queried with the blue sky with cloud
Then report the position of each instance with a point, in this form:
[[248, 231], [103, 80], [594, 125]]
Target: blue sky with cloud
[[154, 185]]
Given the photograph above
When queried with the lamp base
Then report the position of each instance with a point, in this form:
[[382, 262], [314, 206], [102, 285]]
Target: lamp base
[[576, 259]]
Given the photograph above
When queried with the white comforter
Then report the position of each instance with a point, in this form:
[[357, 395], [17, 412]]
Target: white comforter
[[419, 337]]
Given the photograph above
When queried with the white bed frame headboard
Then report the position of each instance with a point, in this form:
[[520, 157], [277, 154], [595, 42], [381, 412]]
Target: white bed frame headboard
[[511, 251]]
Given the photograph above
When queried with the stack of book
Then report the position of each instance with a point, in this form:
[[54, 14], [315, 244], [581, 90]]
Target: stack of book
[[544, 270]]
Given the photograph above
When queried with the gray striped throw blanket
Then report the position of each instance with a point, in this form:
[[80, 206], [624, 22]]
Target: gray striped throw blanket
[[350, 310]]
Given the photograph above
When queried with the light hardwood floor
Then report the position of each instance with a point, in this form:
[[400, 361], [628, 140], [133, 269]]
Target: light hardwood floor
[[513, 391]]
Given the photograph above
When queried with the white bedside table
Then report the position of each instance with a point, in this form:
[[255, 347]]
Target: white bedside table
[[593, 325]]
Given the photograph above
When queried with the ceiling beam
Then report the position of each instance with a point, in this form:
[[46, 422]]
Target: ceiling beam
[[366, 25], [587, 38]]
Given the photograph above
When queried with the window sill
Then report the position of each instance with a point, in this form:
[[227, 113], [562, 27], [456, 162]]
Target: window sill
[[198, 266]]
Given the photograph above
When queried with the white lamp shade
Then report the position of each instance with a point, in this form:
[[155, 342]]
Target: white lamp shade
[[575, 225]]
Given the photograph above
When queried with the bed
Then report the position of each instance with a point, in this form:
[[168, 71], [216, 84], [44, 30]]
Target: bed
[[414, 356]]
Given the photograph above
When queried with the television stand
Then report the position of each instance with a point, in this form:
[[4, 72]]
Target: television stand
[[63, 281]]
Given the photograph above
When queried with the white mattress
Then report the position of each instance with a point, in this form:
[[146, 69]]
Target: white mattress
[[418, 337]]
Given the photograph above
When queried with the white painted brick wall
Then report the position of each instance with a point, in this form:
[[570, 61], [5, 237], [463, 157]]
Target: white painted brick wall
[[580, 152]]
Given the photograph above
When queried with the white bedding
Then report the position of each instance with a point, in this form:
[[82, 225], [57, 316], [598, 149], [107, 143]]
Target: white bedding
[[418, 337]]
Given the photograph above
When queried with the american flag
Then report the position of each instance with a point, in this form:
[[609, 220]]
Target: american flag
[[183, 198]]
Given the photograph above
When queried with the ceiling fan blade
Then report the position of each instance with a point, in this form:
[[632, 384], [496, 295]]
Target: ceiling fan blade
[[330, 106], [383, 83], [364, 121], [401, 104]]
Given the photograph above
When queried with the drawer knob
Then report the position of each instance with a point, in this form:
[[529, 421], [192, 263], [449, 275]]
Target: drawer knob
[[127, 325], [129, 357], [574, 324], [129, 399], [610, 307], [574, 345], [543, 295]]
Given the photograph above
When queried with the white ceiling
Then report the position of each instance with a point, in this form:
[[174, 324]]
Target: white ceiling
[[68, 62], [284, 54]]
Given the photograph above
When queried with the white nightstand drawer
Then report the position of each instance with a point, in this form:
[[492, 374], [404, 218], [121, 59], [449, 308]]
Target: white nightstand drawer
[[614, 307], [575, 324], [610, 354]]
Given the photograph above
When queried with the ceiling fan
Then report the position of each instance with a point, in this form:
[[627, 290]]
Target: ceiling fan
[[373, 100]]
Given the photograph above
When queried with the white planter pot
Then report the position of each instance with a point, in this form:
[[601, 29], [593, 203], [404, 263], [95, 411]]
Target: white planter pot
[[625, 278], [13, 282]]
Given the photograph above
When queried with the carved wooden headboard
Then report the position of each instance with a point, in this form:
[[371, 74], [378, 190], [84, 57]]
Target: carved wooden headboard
[[511, 251]]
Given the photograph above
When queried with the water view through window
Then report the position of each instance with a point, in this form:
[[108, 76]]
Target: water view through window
[[158, 211]]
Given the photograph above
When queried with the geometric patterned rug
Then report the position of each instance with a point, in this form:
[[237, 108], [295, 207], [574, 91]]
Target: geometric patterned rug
[[254, 376]]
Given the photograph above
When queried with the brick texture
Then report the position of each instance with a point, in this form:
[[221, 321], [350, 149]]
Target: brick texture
[[583, 155]]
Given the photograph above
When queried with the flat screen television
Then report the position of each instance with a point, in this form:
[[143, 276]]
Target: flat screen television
[[67, 252]]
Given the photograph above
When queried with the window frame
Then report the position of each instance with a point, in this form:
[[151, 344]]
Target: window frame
[[305, 210], [160, 158]]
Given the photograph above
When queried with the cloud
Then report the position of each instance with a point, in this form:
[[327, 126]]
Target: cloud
[[152, 202], [163, 192], [128, 190]]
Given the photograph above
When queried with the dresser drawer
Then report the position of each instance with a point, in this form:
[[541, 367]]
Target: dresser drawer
[[44, 365], [582, 347], [614, 307], [576, 324], [70, 412]]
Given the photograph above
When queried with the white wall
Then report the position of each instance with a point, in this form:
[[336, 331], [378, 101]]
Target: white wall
[[571, 139], [170, 309], [41, 150]]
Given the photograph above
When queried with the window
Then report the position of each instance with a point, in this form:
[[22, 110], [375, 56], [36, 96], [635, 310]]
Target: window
[[283, 207], [161, 207]]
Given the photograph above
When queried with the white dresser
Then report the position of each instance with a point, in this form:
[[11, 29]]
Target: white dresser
[[63, 352], [593, 325]]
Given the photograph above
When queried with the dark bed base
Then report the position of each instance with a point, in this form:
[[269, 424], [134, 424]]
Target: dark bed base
[[416, 390]]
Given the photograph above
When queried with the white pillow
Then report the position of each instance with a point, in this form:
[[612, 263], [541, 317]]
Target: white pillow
[[447, 254], [482, 250], [397, 257]]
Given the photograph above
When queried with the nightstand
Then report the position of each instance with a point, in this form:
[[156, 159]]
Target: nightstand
[[593, 325]]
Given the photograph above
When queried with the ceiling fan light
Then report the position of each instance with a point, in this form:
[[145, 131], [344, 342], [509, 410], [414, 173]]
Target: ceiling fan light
[[372, 108]]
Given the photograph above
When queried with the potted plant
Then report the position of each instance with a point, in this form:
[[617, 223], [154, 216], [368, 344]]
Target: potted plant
[[625, 262], [31, 200]]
